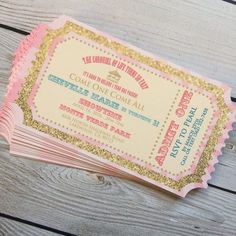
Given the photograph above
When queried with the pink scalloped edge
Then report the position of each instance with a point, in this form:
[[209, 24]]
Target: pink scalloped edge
[[225, 135], [31, 41], [30, 45], [215, 155], [16, 80]]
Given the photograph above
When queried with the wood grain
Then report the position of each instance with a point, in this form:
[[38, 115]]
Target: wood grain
[[89, 204], [13, 228], [196, 34], [199, 35]]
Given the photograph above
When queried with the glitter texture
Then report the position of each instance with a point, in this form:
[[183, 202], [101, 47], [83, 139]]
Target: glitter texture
[[149, 61]]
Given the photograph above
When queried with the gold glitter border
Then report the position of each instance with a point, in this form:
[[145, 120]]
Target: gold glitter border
[[68, 27]]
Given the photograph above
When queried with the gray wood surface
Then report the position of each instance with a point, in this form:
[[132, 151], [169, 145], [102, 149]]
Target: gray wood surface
[[13, 228], [199, 35], [83, 203]]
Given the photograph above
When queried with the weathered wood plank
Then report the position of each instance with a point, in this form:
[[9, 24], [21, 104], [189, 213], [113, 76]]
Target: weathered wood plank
[[89, 204], [224, 176], [199, 35], [13, 228]]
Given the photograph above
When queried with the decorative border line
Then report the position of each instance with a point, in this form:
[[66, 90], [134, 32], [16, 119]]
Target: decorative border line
[[196, 177], [104, 145]]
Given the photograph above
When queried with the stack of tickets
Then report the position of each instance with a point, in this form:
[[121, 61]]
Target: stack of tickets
[[81, 98]]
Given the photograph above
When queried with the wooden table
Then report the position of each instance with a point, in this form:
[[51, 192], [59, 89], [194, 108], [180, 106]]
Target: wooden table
[[43, 199]]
